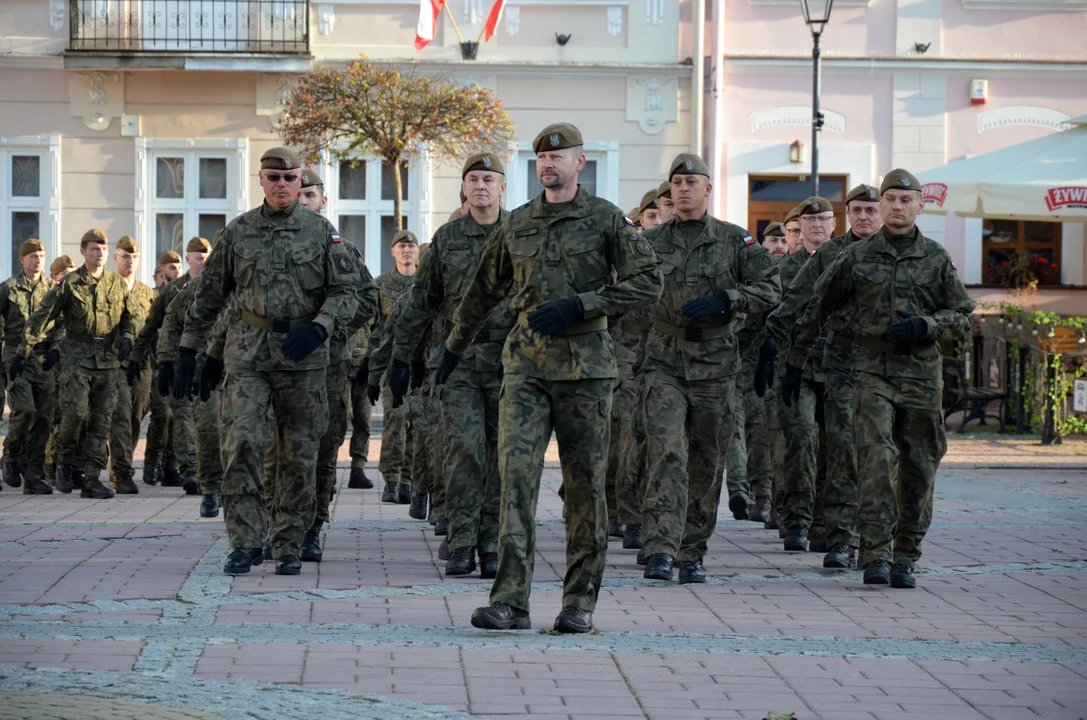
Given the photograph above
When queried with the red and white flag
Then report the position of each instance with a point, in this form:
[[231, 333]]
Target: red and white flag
[[493, 18], [428, 22]]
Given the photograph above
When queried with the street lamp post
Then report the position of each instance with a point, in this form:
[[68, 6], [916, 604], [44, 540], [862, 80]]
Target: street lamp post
[[816, 16]]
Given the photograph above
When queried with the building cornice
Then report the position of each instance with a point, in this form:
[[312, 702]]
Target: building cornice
[[874, 64]]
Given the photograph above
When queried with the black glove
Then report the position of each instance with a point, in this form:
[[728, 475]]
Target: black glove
[[373, 392], [907, 329], [165, 379], [418, 373], [184, 372], [706, 306], [399, 377], [18, 364], [124, 347], [790, 386], [553, 316], [131, 374], [766, 367], [210, 377], [304, 340], [446, 366], [51, 358], [362, 377]]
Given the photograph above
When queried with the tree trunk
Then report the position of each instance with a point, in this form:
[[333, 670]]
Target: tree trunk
[[398, 199]]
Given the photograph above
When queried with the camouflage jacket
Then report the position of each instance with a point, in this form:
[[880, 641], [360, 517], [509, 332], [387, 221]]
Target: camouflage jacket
[[142, 297], [279, 265], [706, 257], [95, 314], [173, 323], [630, 332], [381, 354], [19, 298], [440, 284], [391, 284], [875, 285], [147, 339], [585, 249]]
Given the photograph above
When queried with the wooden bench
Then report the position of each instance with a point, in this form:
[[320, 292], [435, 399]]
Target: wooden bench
[[973, 401]]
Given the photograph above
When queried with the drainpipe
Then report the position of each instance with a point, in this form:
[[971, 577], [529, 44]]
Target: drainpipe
[[716, 153], [698, 73]]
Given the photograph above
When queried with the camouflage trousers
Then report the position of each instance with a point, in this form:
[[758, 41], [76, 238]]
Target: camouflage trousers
[[419, 417], [579, 412], [750, 467], [469, 405], [89, 399], [329, 450], [804, 452], [688, 428], [900, 441], [775, 440], [298, 400], [624, 452], [437, 448], [394, 463], [133, 403], [31, 396], [183, 435], [209, 459], [360, 425], [158, 430], [840, 489]]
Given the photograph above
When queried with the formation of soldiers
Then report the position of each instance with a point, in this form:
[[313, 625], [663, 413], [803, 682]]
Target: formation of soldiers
[[671, 354]]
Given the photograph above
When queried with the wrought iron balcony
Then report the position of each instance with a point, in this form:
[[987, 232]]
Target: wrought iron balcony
[[189, 26]]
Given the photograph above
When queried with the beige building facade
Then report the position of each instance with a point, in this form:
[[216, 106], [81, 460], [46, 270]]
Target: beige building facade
[[148, 117]]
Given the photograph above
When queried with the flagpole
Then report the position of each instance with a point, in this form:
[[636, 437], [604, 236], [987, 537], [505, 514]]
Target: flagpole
[[452, 20]]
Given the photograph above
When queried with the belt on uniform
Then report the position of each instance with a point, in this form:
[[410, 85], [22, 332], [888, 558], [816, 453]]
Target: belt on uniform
[[279, 326], [89, 339], [843, 340], [692, 334], [903, 348], [579, 328], [493, 335]]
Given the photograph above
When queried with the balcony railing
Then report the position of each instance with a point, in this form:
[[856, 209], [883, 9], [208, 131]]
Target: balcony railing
[[189, 26]]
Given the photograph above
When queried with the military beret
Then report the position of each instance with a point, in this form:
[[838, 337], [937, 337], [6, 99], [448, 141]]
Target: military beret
[[279, 158], [794, 214], [635, 215], [688, 164], [463, 197], [61, 264], [198, 245], [556, 137], [483, 161], [664, 190], [310, 178], [215, 239], [899, 179], [649, 200], [405, 236], [455, 214], [774, 230], [815, 205], [865, 193], [169, 257], [423, 248], [93, 236], [127, 244], [30, 246]]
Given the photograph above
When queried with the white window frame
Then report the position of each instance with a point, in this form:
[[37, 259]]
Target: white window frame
[[47, 147], [234, 150], [415, 210], [604, 152]]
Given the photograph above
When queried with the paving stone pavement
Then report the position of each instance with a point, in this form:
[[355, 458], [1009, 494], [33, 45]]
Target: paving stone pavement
[[119, 609]]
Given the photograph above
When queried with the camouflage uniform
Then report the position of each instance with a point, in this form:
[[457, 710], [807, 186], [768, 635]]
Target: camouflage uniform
[[750, 468], [469, 398], [898, 425], [360, 404], [584, 249], [394, 464], [133, 401], [690, 376], [626, 450], [31, 394], [285, 269], [95, 315]]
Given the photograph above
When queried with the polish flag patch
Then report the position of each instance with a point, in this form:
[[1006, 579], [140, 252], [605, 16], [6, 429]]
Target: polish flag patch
[[335, 238], [628, 221], [748, 240]]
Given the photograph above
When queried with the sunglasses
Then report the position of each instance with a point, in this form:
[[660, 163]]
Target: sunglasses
[[276, 177]]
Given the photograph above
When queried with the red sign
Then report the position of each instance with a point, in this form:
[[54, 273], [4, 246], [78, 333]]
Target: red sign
[[1066, 197], [934, 192]]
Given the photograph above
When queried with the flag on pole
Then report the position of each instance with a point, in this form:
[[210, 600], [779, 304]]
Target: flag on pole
[[428, 22], [493, 18]]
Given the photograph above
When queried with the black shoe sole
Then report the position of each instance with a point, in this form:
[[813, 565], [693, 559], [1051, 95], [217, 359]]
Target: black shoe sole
[[568, 629], [312, 557], [236, 571], [457, 572], [881, 580], [632, 544], [416, 515], [209, 515], [692, 581], [836, 565], [514, 624], [657, 576], [288, 571]]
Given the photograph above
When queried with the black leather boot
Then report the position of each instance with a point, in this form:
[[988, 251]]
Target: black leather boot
[[240, 560], [358, 480], [209, 506], [659, 567], [311, 547], [462, 561]]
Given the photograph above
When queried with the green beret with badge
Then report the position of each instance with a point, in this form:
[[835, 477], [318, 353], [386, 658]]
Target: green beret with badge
[[775, 229], [665, 190], [557, 136], [863, 193], [198, 245], [127, 244], [814, 206], [899, 179], [310, 178], [404, 236], [31, 246], [792, 215], [489, 162], [688, 164], [279, 158], [649, 201]]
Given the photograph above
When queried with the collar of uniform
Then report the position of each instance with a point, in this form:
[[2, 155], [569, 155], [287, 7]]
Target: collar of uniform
[[469, 226], [882, 241], [276, 218], [578, 207], [25, 282], [695, 229]]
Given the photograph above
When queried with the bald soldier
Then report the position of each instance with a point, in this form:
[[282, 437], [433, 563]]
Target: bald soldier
[[92, 306], [571, 260], [903, 296], [31, 395]]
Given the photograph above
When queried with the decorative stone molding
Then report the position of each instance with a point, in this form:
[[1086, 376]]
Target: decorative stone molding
[[795, 115], [97, 97], [513, 19], [274, 91], [1022, 115], [326, 19], [652, 102], [57, 13], [654, 11], [615, 21]]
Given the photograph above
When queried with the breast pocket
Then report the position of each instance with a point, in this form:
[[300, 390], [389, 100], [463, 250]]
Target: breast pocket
[[309, 268], [246, 258], [80, 304], [586, 261], [871, 283], [456, 271], [523, 247]]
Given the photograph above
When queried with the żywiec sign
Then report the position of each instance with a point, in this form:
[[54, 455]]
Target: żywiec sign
[[1066, 197], [934, 192]]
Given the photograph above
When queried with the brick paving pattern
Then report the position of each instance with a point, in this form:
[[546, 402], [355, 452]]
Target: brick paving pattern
[[119, 609]]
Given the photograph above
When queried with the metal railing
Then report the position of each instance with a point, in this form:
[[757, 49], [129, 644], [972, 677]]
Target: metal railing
[[189, 26]]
